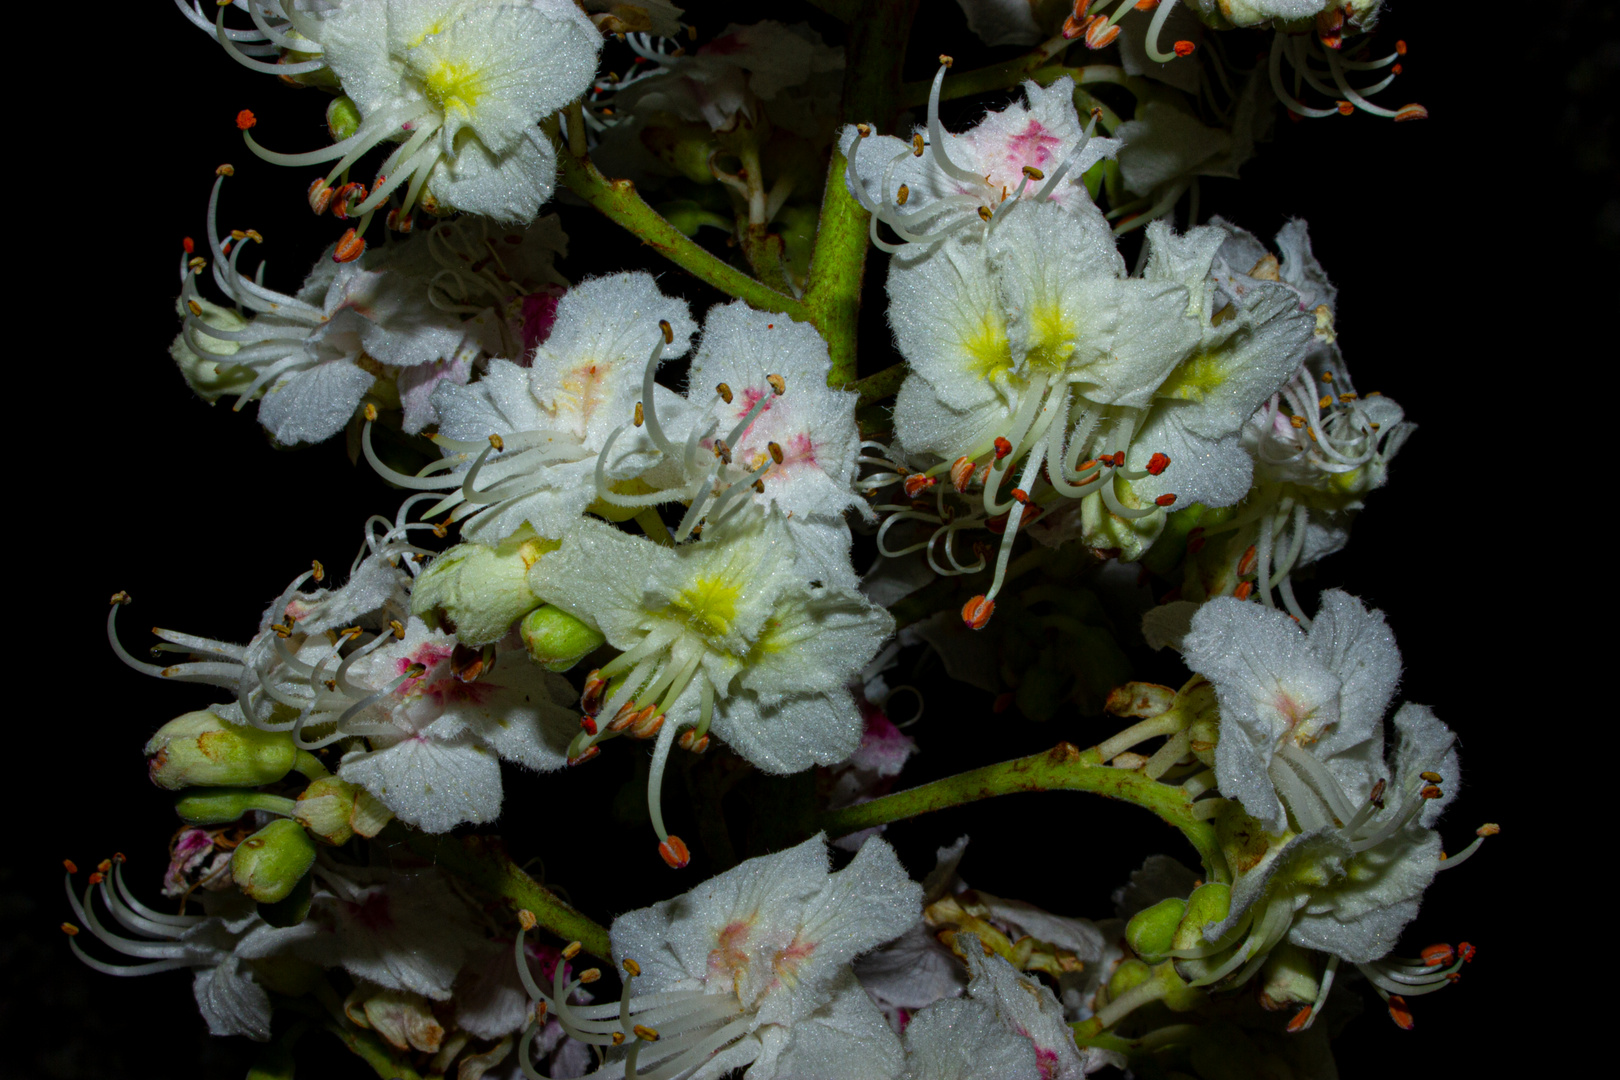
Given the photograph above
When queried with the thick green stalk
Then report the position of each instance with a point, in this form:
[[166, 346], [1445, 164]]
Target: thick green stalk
[[484, 864], [619, 202], [366, 1046], [877, 45], [1063, 768], [986, 79]]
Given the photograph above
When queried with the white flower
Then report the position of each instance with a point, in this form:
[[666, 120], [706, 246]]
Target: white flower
[[810, 429], [462, 86], [1029, 347], [539, 444], [934, 187], [417, 310], [437, 722], [1348, 845], [1008, 1026], [751, 969], [219, 948], [724, 632]]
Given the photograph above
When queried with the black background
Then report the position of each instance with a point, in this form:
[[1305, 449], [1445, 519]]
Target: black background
[[1461, 246]]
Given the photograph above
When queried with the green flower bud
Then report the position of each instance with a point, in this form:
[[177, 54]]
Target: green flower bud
[[1151, 932], [556, 640], [218, 806], [1288, 978], [1128, 976], [478, 592], [1105, 530], [1208, 904], [293, 908], [200, 749], [342, 118], [269, 864], [682, 145], [335, 810]]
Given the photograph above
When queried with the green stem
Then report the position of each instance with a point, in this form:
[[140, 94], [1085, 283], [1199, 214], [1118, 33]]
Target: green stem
[[880, 384], [310, 765], [618, 201], [482, 862], [876, 48], [1063, 768], [366, 1046]]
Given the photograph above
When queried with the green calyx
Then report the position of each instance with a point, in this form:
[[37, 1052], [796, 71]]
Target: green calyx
[[478, 592], [557, 640], [335, 810], [201, 750]]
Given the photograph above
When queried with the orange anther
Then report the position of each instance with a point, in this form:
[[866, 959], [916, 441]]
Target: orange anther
[[350, 246], [1242, 591], [916, 483], [1438, 955], [104, 866], [1430, 792], [1400, 48], [1157, 464], [97, 878], [778, 384], [1300, 1019], [674, 852], [1146, 5], [1399, 1013], [1431, 777], [1100, 33], [1413, 111], [631, 968], [585, 755], [188, 244], [1246, 564], [526, 919], [1185, 47], [72, 867], [572, 949], [1397, 69], [1164, 500], [245, 119], [690, 740], [1488, 829], [1466, 951], [1020, 496], [977, 611], [1345, 108], [1003, 447], [225, 170], [961, 473]]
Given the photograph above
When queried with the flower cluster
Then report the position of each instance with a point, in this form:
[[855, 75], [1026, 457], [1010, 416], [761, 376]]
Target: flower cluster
[[620, 515]]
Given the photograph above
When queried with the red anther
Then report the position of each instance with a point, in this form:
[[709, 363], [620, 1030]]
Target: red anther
[[1003, 702], [1242, 591], [1399, 1013], [977, 611], [591, 698], [1020, 496], [1345, 108], [1413, 111], [1099, 33], [1164, 500], [1466, 951], [585, 755], [352, 192], [916, 482], [1300, 1019], [1246, 564], [96, 878], [320, 195], [1003, 448], [1432, 791], [673, 849], [245, 119], [1397, 69], [72, 867], [1119, 459], [399, 224], [188, 244], [961, 474], [350, 246], [1195, 545], [1454, 976], [997, 524], [1400, 48], [1438, 955], [1157, 464], [1185, 47], [588, 724]]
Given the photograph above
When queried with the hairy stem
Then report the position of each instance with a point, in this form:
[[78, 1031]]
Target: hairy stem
[[482, 862], [877, 45], [619, 202], [880, 384], [1063, 768]]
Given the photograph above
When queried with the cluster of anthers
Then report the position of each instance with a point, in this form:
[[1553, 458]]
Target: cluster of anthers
[[671, 1032], [1318, 62], [285, 671], [1101, 29], [164, 944], [980, 478], [975, 201], [652, 52]]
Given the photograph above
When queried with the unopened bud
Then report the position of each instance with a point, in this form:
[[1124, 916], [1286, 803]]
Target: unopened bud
[[1152, 931], [271, 862], [218, 806], [335, 810], [1288, 978], [478, 592], [557, 640], [342, 118], [201, 750]]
